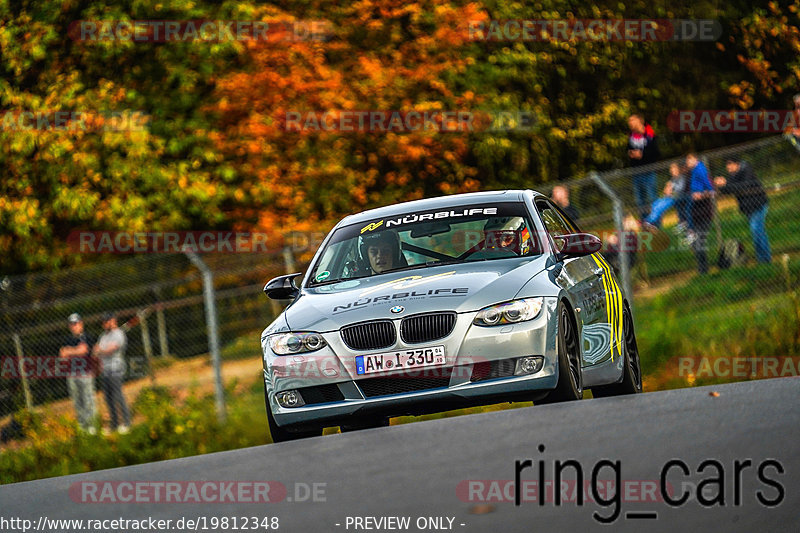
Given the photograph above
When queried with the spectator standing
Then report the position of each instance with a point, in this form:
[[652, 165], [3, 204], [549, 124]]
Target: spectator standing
[[81, 386], [702, 209], [642, 150], [110, 349], [743, 183], [560, 196]]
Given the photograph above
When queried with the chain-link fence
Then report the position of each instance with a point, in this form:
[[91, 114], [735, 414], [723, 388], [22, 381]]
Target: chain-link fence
[[158, 302], [741, 300], [660, 242]]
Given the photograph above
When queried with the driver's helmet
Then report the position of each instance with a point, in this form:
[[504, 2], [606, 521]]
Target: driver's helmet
[[507, 232], [389, 237]]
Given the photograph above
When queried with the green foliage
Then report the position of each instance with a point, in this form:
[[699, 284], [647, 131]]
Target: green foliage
[[213, 156], [170, 429], [746, 311], [162, 176]]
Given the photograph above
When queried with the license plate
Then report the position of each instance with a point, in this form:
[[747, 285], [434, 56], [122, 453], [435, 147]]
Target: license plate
[[400, 360]]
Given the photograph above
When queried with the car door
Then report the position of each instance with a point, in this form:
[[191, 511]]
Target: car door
[[584, 280], [607, 333]]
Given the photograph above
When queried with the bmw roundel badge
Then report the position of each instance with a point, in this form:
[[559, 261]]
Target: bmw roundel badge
[[397, 309]]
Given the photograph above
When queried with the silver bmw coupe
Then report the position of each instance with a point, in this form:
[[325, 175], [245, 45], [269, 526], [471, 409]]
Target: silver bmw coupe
[[444, 303]]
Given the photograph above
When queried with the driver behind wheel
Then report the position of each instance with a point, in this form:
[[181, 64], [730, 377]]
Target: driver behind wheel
[[382, 251], [507, 235]]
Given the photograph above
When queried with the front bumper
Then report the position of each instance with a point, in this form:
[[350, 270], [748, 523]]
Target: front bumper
[[469, 350]]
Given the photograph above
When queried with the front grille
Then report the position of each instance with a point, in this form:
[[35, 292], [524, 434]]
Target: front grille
[[321, 394], [369, 335], [502, 368], [427, 328], [372, 387]]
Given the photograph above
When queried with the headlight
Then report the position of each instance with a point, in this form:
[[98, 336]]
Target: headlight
[[291, 343], [509, 312]]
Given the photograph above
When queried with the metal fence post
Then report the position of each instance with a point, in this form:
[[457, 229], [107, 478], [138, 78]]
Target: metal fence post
[[288, 259], [211, 324], [148, 348], [26, 389], [619, 222], [161, 322]]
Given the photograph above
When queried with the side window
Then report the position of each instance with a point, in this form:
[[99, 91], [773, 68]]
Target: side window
[[570, 223], [553, 222], [339, 260]]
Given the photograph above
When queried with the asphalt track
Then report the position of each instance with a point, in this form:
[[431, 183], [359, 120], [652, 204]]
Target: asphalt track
[[414, 470]]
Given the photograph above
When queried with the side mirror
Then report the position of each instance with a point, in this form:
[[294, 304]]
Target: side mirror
[[282, 287], [577, 245]]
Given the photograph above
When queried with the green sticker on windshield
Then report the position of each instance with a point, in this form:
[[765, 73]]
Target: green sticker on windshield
[[322, 276]]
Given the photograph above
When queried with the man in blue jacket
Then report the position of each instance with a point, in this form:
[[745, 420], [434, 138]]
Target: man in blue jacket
[[702, 209]]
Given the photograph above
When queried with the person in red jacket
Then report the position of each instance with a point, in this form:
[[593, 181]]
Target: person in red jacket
[[642, 151]]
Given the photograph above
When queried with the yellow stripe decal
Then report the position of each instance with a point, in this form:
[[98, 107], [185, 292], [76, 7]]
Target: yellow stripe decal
[[618, 308], [612, 302], [614, 310], [606, 289]]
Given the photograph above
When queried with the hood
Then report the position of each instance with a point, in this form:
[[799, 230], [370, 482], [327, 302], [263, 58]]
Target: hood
[[460, 288]]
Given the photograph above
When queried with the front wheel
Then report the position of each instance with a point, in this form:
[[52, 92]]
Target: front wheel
[[632, 370], [570, 378]]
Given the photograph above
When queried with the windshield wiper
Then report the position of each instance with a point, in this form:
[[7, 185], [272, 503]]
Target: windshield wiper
[[337, 280], [400, 269]]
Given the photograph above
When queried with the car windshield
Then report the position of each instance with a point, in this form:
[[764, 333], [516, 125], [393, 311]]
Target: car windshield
[[427, 238]]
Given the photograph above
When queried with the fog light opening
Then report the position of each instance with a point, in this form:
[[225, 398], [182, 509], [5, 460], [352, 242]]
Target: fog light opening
[[290, 398], [529, 365]]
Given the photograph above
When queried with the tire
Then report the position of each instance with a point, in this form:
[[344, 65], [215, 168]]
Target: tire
[[570, 379], [280, 434], [632, 371]]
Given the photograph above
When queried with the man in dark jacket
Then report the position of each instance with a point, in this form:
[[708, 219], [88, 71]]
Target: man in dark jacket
[[642, 150], [78, 348], [743, 183]]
